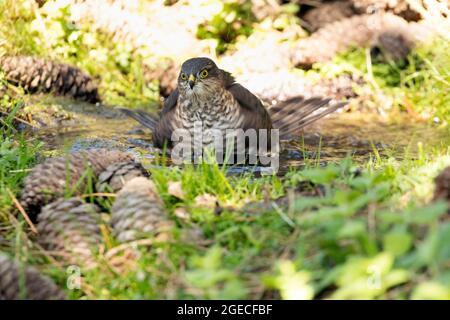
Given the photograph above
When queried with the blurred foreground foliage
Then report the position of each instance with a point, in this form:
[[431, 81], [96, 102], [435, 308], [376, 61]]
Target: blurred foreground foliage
[[418, 84], [49, 32], [373, 234]]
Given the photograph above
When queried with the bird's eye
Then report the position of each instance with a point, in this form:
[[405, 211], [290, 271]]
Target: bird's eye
[[183, 76], [204, 74]]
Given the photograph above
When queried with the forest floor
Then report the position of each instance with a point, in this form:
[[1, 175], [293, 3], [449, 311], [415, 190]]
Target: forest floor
[[350, 216]]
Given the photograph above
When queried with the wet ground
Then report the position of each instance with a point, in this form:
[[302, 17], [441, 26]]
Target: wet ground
[[81, 126]]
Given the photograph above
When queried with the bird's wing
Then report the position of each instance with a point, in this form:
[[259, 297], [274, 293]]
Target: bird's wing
[[162, 133], [146, 119], [253, 109], [171, 101], [294, 114], [150, 120], [289, 116], [161, 127]]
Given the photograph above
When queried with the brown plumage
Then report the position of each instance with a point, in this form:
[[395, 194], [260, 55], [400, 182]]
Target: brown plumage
[[208, 94]]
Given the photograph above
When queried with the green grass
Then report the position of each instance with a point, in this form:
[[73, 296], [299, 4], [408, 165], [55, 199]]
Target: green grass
[[372, 225], [419, 84], [17, 154], [48, 32]]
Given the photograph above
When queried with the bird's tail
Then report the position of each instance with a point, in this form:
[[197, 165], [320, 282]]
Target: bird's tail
[[144, 118], [292, 115]]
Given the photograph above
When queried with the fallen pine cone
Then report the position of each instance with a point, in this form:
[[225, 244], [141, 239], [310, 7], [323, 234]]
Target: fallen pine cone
[[69, 230], [275, 87], [37, 286], [166, 72], [357, 31], [394, 45], [125, 25], [442, 186], [117, 174], [56, 176], [399, 7], [38, 75], [138, 211], [326, 13]]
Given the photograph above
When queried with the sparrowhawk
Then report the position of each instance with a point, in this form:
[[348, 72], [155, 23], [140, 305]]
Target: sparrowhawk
[[208, 94]]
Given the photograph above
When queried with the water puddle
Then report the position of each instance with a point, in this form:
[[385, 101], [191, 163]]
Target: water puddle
[[330, 139]]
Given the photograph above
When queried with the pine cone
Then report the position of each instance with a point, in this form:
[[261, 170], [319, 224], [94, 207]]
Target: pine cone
[[127, 25], [394, 44], [264, 51], [275, 87], [166, 73], [121, 24], [37, 286], [138, 211], [338, 88], [47, 181], [327, 13], [69, 229], [116, 175], [398, 7], [359, 31], [442, 186], [262, 9], [37, 75]]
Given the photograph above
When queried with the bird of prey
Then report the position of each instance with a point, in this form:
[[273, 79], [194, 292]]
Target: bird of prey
[[208, 94]]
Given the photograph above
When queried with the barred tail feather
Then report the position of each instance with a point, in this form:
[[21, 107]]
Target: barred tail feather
[[292, 115], [142, 117]]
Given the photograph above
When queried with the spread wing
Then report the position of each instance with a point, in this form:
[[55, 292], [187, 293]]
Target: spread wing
[[171, 101], [289, 116], [146, 119], [253, 110], [294, 114], [161, 126]]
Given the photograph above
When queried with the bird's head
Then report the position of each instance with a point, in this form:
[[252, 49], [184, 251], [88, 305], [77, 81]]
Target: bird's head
[[199, 77]]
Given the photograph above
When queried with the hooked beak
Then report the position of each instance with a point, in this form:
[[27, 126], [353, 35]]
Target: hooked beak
[[191, 81]]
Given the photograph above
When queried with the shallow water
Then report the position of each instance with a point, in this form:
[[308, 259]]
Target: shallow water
[[330, 139]]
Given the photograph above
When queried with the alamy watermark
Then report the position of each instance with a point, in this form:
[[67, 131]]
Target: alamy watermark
[[230, 146], [73, 277]]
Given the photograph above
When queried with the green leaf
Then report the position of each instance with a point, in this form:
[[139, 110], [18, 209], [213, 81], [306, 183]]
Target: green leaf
[[321, 175], [429, 214], [397, 242], [292, 284], [352, 229], [435, 248], [431, 291]]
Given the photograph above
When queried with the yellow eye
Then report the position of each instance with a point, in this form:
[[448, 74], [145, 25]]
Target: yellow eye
[[204, 74], [183, 76]]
